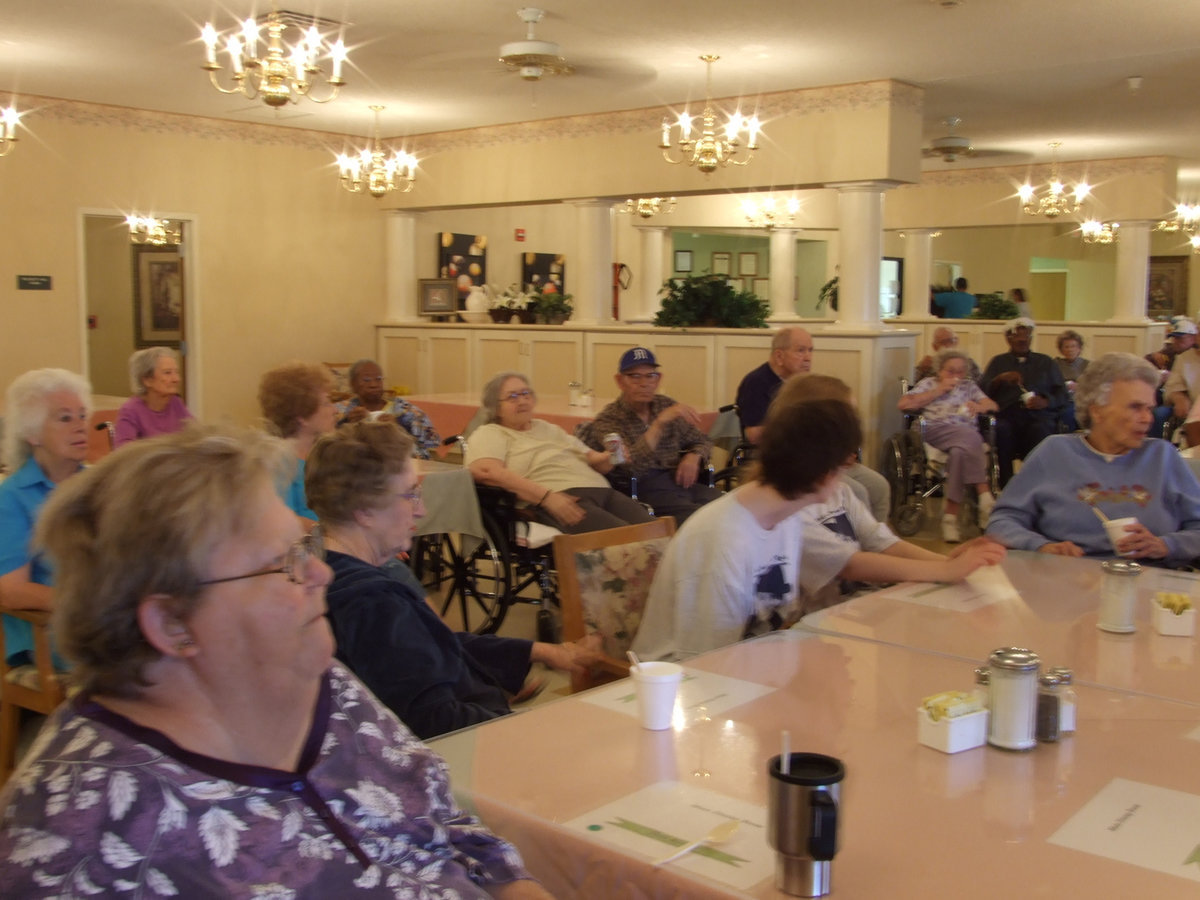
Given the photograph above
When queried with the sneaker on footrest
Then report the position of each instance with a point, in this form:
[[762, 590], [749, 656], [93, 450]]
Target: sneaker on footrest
[[950, 529]]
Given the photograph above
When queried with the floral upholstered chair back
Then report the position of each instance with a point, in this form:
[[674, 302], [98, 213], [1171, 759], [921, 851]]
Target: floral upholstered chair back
[[613, 585]]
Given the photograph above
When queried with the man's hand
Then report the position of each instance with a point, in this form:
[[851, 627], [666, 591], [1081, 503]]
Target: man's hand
[[1037, 401], [1062, 548], [1180, 405], [1007, 378], [992, 551], [569, 657], [688, 470], [678, 411]]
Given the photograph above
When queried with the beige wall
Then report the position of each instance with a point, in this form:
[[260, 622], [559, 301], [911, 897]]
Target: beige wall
[[109, 283], [285, 264]]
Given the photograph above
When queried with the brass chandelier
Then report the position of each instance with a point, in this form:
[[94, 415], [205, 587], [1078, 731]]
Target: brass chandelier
[[374, 171], [707, 152], [768, 214], [9, 119], [154, 232], [647, 207], [1096, 232], [1054, 200], [284, 72], [1187, 220]]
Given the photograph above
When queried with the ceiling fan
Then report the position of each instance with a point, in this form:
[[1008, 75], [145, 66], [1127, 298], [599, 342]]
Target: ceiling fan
[[950, 146], [532, 58]]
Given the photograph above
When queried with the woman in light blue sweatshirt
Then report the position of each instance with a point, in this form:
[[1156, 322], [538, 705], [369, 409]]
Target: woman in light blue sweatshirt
[[1050, 505]]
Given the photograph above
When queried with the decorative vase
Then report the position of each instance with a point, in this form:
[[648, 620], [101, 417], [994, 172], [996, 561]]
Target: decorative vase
[[502, 315], [477, 311]]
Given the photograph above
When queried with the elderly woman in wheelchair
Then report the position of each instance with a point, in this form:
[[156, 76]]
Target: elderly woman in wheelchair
[[555, 475], [949, 403]]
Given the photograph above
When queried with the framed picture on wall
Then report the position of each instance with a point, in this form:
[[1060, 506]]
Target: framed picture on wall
[[437, 297], [157, 297], [683, 260], [1167, 287], [720, 263], [463, 259], [544, 272], [748, 264]]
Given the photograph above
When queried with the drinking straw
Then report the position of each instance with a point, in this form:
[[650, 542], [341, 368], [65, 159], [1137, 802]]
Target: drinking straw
[[785, 752]]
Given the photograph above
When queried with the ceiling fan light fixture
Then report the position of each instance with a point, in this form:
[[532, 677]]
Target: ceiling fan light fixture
[[532, 58]]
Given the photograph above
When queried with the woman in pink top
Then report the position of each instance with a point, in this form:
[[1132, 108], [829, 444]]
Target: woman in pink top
[[155, 407]]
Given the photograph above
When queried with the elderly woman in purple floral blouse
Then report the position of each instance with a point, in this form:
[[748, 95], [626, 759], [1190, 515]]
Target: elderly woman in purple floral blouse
[[215, 750]]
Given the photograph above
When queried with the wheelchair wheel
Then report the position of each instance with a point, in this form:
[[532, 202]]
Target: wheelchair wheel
[[911, 517], [479, 582]]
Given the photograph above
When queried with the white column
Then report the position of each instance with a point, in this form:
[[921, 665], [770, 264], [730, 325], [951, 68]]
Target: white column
[[644, 304], [401, 265], [860, 230], [918, 263], [1133, 272], [783, 274], [589, 278]]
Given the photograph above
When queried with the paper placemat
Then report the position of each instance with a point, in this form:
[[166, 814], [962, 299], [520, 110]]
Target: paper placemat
[[962, 596], [716, 693], [662, 817]]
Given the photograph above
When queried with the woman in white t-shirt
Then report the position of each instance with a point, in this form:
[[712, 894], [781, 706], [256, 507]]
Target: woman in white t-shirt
[[556, 474]]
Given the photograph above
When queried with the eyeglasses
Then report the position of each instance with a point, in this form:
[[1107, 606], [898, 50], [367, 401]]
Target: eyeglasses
[[413, 496], [639, 377], [295, 561], [514, 396]]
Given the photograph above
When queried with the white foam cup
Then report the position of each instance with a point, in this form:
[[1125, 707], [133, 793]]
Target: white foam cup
[[657, 684], [1115, 528]]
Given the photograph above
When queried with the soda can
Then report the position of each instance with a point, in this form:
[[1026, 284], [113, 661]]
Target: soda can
[[616, 448]]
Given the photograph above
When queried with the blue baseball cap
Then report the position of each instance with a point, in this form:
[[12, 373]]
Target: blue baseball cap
[[638, 356]]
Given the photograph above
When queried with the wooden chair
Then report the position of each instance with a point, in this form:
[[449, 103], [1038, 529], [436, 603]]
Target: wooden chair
[[37, 686], [603, 580], [101, 431]]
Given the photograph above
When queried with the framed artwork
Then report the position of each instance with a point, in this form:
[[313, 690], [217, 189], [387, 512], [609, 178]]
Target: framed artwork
[[683, 260], [1167, 287], [437, 297], [463, 259], [720, 263], [761, 287], [157, 297], [748, 264], [545, 272]]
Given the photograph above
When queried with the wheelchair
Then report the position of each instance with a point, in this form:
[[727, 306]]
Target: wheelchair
[[916, 471]]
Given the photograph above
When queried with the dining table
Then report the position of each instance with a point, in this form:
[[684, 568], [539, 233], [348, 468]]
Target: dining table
[[593, 800], [1037, 601]]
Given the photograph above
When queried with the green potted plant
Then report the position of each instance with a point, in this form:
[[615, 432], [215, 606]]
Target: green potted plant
[[552, 308], [512, 303], [994, 306], [829, 294], [709, 301]]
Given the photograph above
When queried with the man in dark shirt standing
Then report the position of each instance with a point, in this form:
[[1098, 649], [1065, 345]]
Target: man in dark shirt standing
[[1030, 392]]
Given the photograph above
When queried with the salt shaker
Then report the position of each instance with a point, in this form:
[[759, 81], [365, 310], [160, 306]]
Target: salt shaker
[[1012, 679], [574, 393], [1049, 708], [1066, 701], [1118, 595]]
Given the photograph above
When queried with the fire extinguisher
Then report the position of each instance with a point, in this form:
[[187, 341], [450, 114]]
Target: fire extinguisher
[[622, 276]]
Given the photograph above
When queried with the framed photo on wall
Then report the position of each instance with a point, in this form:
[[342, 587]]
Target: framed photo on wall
[[1167, 287], [437, 297], [157, 297], [683, 260], [748, 264], [463, 259], [544, 272], [720, 263]]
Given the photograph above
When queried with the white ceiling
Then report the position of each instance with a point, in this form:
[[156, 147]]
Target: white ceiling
[[1019, 73]]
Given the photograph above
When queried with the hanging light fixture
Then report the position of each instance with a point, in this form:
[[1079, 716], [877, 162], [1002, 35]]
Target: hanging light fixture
[[768, 214], [646, 207], [1097, 232], [1187, 220], [1194, 240], [1054, 200], [156, 232], [285, 72], [707, 151], [374, 171], [9, 119]]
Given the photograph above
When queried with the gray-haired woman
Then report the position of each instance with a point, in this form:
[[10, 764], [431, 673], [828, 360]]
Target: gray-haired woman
[[216, 750], [950, 402], [45, 443], [155, 407], [546, 468], [1113, 467]]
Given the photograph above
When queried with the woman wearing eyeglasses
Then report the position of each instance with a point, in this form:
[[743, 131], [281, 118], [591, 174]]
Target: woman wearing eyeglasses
[[556, 474], [362, 484], [215, 749]]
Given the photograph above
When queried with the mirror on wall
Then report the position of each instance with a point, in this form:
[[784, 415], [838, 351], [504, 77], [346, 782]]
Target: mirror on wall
[[135, 298]]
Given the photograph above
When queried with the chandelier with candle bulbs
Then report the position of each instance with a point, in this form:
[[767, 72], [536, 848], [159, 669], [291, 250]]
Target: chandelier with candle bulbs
[[1054, 199], [278, 72], [152, 231], [647, 207], [707, 151], [1096, 232], [769, 214], [9, 119], [374, 171], [1187, 220]]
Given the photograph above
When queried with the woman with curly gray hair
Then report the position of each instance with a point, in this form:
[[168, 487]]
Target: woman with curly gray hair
[[1111, 467], [45, 443], [155, 407]]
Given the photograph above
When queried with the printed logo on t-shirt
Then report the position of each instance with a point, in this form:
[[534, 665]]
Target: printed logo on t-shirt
[[772, 598], [1093, 493], [838, 522]]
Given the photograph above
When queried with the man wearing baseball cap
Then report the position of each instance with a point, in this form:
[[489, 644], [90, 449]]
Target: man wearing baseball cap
[[662, 439], [1182, 388], [1030, 392]]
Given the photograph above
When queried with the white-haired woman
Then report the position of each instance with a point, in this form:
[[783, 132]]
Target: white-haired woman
[[45, 443], [1049, 506], [556, 474], [215, 749], [155, 407]]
